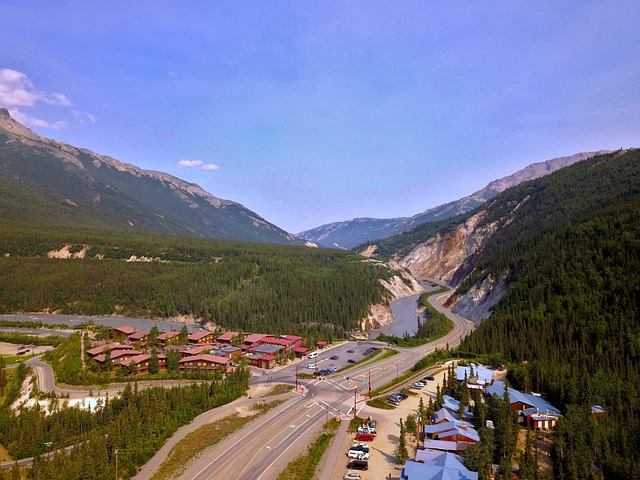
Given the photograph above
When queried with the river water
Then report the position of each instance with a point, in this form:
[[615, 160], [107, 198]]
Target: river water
[[74, 320], [405, 319], [405, 315]]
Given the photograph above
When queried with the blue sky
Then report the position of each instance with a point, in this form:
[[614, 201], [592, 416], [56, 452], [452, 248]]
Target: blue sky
[[310, 112]]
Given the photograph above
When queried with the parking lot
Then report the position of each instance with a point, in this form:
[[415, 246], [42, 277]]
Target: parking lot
[[333, 359]]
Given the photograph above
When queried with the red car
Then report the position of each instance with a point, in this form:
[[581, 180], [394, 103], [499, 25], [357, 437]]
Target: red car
[[365, 437]]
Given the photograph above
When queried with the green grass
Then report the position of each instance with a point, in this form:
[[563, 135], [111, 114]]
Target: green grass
[[203, 438], [380, 403]]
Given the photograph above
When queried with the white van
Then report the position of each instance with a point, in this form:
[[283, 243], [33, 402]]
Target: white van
[[313, 354], [357, 454]]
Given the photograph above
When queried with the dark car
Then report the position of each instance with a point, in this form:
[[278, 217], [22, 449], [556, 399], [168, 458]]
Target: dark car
[[360, 447], [350, 351], [351, 360], [430, 378], [403, 395], [358, 465], [335, 357]]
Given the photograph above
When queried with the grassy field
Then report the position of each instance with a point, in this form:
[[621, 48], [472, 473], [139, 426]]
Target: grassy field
[[203, 438]]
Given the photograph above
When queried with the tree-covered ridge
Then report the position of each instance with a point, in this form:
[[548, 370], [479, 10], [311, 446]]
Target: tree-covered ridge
[[569, 323], [131, 427], [252, 287]]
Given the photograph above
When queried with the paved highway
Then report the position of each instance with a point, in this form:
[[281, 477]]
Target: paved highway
[[263, 448]]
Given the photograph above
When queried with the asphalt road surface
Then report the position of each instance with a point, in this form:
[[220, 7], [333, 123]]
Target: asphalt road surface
[[266, 445]]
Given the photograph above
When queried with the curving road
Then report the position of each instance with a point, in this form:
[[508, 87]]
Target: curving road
[[262, 449]]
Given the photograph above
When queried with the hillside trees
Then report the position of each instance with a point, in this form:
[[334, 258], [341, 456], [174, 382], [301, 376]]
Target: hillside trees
[[568, 324], [136, 424], [250, 287]]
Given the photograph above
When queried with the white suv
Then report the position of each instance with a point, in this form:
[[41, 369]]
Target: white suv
[[358, 455]]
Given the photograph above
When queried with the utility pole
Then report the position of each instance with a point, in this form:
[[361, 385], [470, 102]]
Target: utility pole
[[369, 384], [355, 403], [296, 378], [116, 452]]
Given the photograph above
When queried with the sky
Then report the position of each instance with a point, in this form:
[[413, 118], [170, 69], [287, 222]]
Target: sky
[[311, 112]]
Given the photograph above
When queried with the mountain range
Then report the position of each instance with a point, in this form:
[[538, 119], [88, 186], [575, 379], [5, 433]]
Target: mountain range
[[46, 181], [351, 233]]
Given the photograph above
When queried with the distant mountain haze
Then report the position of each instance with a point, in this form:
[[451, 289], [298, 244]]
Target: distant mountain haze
[[47, 181], [355, 232]]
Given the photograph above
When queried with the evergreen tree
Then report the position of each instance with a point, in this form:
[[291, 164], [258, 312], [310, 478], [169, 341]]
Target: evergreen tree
[[154, 362], [402, 454], [183, 339]]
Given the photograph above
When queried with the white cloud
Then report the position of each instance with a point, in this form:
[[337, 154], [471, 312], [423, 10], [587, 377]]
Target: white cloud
[[16, 90], [37, 122], [190, 163], [198, 164], [84, 117]]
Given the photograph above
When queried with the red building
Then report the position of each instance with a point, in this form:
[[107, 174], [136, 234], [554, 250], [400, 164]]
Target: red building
[[229, 337], [205, 362], [262, 361], [200, 338], [120, 333]]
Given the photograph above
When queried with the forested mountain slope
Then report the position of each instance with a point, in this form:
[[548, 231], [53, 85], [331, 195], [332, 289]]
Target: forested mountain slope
[[558, 260], [569, 321], [269, 288], [50, 182], [354, 232]]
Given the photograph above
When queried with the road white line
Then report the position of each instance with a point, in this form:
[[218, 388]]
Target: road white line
[[280, 443], [242, 440]]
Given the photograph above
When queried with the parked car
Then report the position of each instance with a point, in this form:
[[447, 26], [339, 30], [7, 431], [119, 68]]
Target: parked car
[[351, 351], [363, 447], [403, 396], [358, 465], [417, 386], [365, 437], [366, 429], [394, 401], [351, 360], [310, 365], [334, 357], [358, 454], [430, 378], [313, 354], [373, 423], [351, 476]]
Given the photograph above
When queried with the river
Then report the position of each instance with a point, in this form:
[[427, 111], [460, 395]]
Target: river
[[405, 315], [74, 320]]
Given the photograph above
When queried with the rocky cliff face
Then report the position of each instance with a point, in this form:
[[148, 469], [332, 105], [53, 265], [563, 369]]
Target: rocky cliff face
[[449, 256], [441, 256], [478, 303], [401, 285]]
